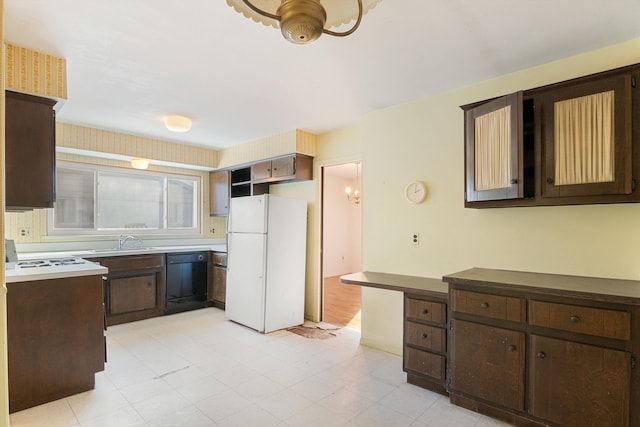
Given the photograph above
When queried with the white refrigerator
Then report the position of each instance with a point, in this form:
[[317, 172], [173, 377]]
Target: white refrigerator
[[266, 262]]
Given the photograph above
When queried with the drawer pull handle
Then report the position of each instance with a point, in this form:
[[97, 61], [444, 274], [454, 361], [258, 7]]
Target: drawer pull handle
[[484, 305], [511, 348], [424, 335], [425, 311], [541, 355], [574, 319]]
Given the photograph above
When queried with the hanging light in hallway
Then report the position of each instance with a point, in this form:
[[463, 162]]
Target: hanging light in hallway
[[354, 195]]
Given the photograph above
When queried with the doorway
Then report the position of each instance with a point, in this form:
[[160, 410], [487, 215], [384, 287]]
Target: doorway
[[341, 243]]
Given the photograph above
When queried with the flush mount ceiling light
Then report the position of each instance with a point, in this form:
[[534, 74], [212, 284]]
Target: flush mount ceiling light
[[303, 21], [177, 123], [139, 163]]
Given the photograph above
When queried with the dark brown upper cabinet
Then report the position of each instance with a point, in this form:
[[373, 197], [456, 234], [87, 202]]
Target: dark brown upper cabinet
[[30, 151], [572, 142], [587, 138], [493, 147], [292, 167], [219, 193]]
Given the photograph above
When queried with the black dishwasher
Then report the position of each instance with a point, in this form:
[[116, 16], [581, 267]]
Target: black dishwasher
[[186, 281]]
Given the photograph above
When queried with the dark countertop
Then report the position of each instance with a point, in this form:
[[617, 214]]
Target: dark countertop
[[398, 282], [618, 290]]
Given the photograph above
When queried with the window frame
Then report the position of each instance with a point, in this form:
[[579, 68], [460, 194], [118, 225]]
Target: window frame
[[165, 177]]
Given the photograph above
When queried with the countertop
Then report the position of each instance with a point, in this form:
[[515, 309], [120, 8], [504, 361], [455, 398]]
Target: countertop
[[98, 253], [14, 275], [618, 290], [398, 282]]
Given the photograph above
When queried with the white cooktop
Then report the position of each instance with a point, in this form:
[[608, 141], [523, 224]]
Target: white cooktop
[[23, 271]]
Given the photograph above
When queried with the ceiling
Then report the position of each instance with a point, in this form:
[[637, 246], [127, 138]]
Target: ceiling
[[131, 62]]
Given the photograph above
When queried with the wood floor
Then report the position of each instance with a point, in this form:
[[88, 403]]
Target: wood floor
[[341, 303]]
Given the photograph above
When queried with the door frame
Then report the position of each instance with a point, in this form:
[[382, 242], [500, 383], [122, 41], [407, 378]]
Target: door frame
[[321, 199]]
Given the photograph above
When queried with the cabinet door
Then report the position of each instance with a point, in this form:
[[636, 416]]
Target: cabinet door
[[219, 193], [488, 363], [587, 138], [261, 170], [29, 151], [129, 294], [579, 385], [219, 284], [284, 167], [494, 150]]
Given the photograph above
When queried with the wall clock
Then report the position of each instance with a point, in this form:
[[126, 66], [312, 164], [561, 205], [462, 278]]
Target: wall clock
[[415, 192]]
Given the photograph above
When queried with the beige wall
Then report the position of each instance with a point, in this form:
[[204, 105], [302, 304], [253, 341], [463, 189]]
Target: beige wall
[[423, 140]]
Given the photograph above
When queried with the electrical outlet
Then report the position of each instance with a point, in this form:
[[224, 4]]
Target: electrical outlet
[[24, 232], [415, 238]]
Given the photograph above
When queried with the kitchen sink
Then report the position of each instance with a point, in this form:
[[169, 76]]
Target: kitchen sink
[[116, 250]]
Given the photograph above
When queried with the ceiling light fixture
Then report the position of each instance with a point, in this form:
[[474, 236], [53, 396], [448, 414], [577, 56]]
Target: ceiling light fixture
[[177, 123], [139, 163], [303, 21]]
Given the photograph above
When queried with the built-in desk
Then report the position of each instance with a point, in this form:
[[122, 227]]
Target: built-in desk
[[425, 319]]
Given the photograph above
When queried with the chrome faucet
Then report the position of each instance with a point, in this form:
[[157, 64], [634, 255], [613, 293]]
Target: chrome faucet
[[123, 239]]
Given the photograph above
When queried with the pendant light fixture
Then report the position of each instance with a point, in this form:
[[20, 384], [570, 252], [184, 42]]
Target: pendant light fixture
[[303, 21]]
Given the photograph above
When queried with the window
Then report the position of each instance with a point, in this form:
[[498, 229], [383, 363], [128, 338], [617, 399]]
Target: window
[[93, 198]]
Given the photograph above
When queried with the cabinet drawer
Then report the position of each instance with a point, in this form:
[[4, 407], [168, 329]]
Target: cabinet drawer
[[131, 263], [424, 363], [583, 320], [426, 310], [427, 337], [219, 258], [487, 305]]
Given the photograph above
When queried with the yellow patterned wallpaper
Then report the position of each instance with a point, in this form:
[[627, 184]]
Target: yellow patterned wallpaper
[[293, 141], [34, 72], [85, 138], [306, 143]]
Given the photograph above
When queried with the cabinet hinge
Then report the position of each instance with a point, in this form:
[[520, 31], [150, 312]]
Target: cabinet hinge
[[633, 185], [633, 81], [633, 362], [451, 324], [449, 381]]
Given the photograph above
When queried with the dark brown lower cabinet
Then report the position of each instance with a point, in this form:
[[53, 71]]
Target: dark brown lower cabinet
[[545, 350], [55, 339], [217, 279], [425, 340], [591, 381], [135, 287], [129, 294], [489, 363]]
